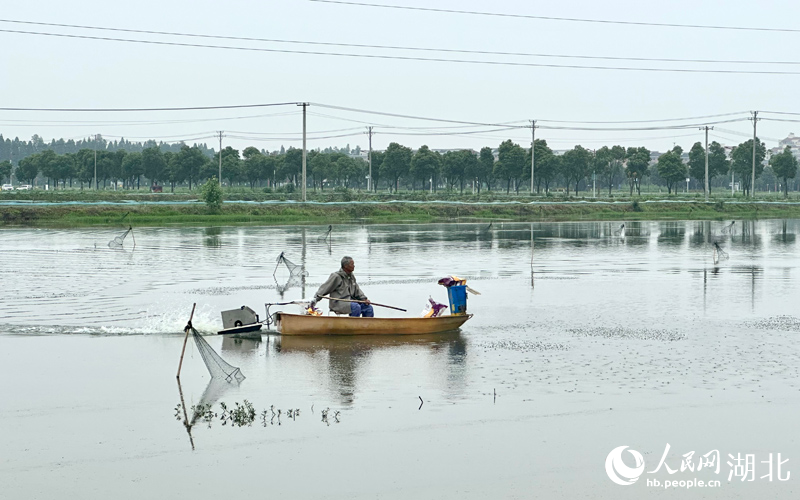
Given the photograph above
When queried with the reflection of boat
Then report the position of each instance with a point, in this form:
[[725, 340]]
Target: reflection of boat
[[362, 344], [300, 324]]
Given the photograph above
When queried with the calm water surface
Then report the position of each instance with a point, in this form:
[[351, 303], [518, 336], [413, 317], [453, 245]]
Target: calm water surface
[[584, 339]]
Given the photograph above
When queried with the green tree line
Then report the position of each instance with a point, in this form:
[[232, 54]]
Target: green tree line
[[504, 168]]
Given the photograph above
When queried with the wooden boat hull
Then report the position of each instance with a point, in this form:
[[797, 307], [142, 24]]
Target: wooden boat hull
[[300, 324]]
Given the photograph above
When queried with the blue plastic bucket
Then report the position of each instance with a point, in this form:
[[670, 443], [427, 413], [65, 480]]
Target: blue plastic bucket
[[457, 295]]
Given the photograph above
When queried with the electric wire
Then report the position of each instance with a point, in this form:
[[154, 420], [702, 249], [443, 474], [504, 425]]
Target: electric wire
[[91, 123], [409, 58], [566, 19], [400, 47]]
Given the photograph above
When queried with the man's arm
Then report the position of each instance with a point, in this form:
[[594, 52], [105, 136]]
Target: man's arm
[[359, 295]]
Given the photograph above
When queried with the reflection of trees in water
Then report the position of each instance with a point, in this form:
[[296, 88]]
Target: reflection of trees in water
[[786, 233], [702, 234], [345, 356], [672, 233], [212, 237], [749, 234]]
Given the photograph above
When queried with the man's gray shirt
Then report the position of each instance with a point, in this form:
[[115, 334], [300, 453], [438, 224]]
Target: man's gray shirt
[[340, 285]]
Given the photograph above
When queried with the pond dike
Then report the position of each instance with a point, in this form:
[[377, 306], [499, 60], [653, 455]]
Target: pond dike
[[156, 213]]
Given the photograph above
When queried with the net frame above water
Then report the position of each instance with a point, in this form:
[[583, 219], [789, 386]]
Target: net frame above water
[[295, 270], [217, 367], [118, 241]]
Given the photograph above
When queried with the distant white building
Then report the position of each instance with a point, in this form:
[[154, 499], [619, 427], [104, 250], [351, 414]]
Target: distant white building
[[792, 141]]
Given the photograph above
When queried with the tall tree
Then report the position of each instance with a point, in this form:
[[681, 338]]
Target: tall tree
[[5, 170], [575, 166], [48, 165], [346, 170], [742, 162], [609, 163], [547, 169], [154, 165], [511, 160], [637, 161], [231, 165], [485, 167], [27, 170], [377, 160], [292, 166], [672, 169], [453, 167], [320, 166], [171, 173], [697, 163], [784, 165], [718, 163], [396, 163], [425, 165], [133, 168], [543, 154], [471, 167], [190, 162]]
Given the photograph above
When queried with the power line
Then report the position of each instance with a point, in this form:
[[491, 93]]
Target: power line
[[297, 133], [407, 58], [396, 115], [780, 113], [648, 121], [551, 127], [115, 110], [461, 133], [400, 47], [292, 139], [93, 123], [668, 127], [157, 136], [565, 19]]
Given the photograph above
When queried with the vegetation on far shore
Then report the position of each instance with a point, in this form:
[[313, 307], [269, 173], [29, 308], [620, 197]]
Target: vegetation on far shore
[[248, 207]]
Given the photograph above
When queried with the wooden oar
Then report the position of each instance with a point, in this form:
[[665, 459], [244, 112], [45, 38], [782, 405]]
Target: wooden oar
[[364, 302]]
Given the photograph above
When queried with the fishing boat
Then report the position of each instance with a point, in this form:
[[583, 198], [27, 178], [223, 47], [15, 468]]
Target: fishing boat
[[305, 324]]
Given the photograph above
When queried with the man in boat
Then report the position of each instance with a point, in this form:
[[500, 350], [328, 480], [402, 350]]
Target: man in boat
[[342, 285]]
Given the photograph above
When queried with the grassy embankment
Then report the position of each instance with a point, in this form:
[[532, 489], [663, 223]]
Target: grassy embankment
[[427, 208]]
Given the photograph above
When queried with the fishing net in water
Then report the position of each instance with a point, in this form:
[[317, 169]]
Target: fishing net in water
[[620, 231], [118, 241], [326, 235], [719, 254], [294, 269], [282, 288], [217, 367], [729, 228]]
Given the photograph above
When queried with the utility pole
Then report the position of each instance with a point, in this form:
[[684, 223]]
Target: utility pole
[[305, 105], [707, 128], [369, 157], [533, 150], [220, 158], [753, 180], [96, 139]]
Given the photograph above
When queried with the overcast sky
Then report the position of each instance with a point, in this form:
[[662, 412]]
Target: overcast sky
[[41, 71]]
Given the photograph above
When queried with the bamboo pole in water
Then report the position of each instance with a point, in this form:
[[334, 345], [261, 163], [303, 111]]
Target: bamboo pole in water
[[186, 330]]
